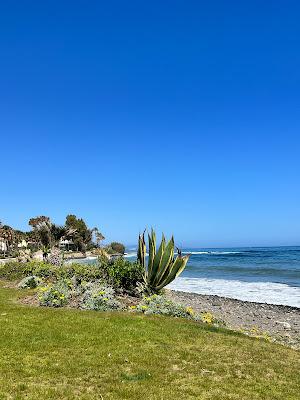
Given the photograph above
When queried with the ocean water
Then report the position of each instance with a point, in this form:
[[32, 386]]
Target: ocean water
[[266, 274]]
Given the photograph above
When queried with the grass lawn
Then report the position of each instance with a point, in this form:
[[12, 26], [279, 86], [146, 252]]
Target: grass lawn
[[67, 354]]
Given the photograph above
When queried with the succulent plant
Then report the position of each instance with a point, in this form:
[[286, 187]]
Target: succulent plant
[[162, 266]]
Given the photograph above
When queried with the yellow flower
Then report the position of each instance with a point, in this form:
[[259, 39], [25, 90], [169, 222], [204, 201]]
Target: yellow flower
[[105, 299], [133, 307], [190, 311], [207, 317]]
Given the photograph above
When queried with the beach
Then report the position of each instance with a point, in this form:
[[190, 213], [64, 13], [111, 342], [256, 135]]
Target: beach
[[278, 322]]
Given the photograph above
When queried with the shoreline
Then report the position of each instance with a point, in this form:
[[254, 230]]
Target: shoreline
[[279, 322]]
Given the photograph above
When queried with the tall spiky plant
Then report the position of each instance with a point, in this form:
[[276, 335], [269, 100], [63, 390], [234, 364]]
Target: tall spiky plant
[[162, 266]]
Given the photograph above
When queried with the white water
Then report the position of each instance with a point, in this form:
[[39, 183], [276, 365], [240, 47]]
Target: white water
[[212, 252], [261, 292]]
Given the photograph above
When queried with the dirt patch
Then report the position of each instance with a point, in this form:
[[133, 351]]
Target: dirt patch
[[29, 300], [10, 284]]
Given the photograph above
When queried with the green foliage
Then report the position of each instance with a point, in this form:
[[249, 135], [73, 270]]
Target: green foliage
[[13, 270], [56, 295], [156, 304], [84, 272], [81, 236], [100, 298], [162, 267], [116, 247], [122, 274], [30, 282], [42, 226], [58, 232], [16, 270]]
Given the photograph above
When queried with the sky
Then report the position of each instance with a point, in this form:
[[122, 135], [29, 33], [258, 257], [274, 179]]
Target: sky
[[181, 115]]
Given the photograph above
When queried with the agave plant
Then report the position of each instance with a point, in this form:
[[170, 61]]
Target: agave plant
[[162, 266]]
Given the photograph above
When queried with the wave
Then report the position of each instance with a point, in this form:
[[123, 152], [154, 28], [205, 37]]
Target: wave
[[212, 252], [260, 292], [195, 252], [133, 254], [129, 255]]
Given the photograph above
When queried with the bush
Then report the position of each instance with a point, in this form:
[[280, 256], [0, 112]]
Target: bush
[[17, 270], [30, 282], [41, 269], [87, 272], [56, 295], [100, 298], [122, 274], [55, 257], [116, 247], [161, 305]]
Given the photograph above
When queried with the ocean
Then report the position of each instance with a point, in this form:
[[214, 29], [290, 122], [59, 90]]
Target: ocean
[[260, 274]]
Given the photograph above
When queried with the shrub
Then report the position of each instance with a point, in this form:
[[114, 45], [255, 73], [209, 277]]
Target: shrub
[[30, 282], [100, 298], [56, 295], [116, 247], [55, 257], [87, 272], [41, 269], [156, 304], [17, 270], [122, 274]]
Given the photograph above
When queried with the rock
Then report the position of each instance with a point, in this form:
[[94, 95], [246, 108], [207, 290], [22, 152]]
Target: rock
[[286, 325]]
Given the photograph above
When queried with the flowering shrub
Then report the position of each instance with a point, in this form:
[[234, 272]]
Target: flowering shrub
[[55, 257], [56, 295], [157, 304], [30, 282], [99, 297]]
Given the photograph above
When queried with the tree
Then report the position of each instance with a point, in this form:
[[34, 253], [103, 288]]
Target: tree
[[58, 232], [81, 236], [99, 237], [7, 236], [42, 226], [117, 247]]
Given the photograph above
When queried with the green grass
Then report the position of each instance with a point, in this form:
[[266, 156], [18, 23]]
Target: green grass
[[66, 354]]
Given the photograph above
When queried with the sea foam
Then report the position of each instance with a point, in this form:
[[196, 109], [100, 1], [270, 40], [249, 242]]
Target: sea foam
[[212, 252], [260, 292]]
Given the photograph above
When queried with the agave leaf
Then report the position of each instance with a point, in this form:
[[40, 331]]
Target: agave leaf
[[141, 253], [177, 268], [157, 260], [152, 250], [166, 260]]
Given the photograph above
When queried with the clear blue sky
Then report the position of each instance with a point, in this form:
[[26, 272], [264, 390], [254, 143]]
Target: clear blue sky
[[182, 115]]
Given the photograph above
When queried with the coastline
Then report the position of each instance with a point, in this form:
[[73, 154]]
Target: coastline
[[279, 322]]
